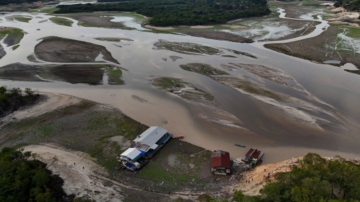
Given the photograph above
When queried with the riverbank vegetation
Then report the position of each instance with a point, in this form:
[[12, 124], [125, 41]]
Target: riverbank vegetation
[[313, 179], [351, 5], [22, 179], [6, 2], [13, 35], [12, 99], [180, 12]]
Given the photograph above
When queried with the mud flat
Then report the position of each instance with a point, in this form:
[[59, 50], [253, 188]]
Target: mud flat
[[253, 81], [85, 156], [13, 35], [203, 69], [186, 48], [182, 89], [332, 45], [218, 35], [113, 39], [88, 74], [97, 21], [61, 21], [274, 29], [56, 49]]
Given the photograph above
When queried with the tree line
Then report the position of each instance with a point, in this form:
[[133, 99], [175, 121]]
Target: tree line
[[314, 179], [180, 12], [26, 180], [351, 5], [12, 99], [6, 2]]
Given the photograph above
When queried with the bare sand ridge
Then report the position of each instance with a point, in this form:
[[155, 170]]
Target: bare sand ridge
[[252, 181], [48, 103], [78, 170]]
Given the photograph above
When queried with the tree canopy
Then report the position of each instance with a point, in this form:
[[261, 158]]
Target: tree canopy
[[6, 2], [13, 98], [315, 179], [27, 180], [351, 5], [180, 12]]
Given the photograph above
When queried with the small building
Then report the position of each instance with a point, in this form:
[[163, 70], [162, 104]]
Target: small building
[[220, 162], [144, 147], [253, 156]]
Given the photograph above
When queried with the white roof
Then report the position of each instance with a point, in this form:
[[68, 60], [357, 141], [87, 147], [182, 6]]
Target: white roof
[[151, 135], [131, 153]]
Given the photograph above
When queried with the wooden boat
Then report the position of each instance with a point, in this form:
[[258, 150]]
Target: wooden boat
[[239, 145]]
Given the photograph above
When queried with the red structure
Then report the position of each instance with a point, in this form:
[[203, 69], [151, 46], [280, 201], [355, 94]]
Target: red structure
[[220, 162], [253, 156]]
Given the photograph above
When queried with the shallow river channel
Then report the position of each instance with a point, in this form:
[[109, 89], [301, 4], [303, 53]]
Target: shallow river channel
[[261, 125]]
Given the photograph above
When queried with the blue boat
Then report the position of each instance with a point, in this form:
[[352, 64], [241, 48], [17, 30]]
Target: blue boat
[[239, 145]]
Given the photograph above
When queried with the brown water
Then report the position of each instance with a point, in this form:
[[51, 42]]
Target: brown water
[[267, 128]]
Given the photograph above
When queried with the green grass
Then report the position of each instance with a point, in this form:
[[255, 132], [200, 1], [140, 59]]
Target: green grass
[[22, 19], [46, 9], [203, 69], [15, 47], [18, 34], [61, 21], [354, 32]]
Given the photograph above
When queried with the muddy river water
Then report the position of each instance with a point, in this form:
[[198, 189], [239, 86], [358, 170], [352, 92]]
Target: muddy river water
[[262, 126]]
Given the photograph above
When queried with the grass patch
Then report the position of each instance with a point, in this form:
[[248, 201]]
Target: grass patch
[[175, 84], [61, 21], [15, 47], [22, 19], [114, 75], [32, 58], [186, 48], [203, 69], [14, 36]]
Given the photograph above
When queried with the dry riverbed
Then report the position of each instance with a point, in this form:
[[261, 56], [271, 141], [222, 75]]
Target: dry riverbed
[[85, 155], [56, 49], [88, 74], [333, 46], [255, 81]]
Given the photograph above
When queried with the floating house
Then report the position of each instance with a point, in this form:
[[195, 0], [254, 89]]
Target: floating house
[[220, 162], [253, 156], [144, 147]]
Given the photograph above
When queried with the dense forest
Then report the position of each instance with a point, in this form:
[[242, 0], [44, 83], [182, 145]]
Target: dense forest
[[180, 12], [315, 179], [13, 98], [28, 180], [6, 2], [351, 5]]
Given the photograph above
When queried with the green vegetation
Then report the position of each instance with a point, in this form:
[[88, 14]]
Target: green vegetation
[[5, 2], [108, 39], [257, 90], [114, 75], [187, 90], [15, 47], [12, 99], [186, 48], [61, 21], [14, 36], [172, 164], [314, 179], [351, 5], [27, 180], [180, 12], [46, 9], [203, 69], [88, 129], [22, 18]]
